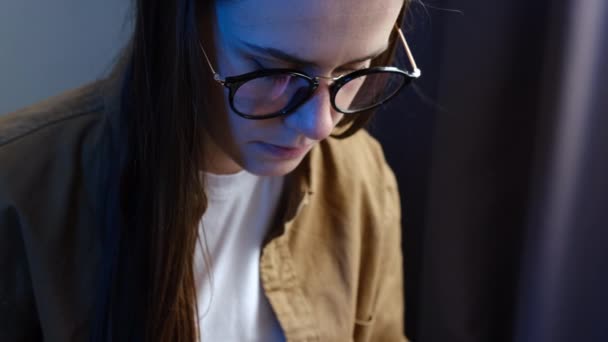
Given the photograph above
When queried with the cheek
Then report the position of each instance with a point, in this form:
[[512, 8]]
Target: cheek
[[238, 127], [241, 131], [244, 131]]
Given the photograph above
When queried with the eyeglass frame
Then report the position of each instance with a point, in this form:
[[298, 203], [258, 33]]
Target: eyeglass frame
[[233, 83]]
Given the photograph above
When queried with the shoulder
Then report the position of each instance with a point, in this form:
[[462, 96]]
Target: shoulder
[[45, 143], [57, 112], [47, 154]]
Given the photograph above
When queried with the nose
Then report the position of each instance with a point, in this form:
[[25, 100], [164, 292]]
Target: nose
[[316, 118]]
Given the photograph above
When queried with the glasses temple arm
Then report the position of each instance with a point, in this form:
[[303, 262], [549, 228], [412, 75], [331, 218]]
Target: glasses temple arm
[[216, 76], [416, 72]]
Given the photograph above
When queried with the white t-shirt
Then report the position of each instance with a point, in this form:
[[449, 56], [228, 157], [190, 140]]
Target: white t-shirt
[[231, 302]]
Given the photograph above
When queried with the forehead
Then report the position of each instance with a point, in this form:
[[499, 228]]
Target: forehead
[[319, 30]]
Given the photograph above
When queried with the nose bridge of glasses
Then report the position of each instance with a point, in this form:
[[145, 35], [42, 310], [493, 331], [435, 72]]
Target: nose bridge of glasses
[[330, 85], [330, 82], [330, 79]]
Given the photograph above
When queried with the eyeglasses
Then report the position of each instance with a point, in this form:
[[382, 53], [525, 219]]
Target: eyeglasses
[[268, 93]]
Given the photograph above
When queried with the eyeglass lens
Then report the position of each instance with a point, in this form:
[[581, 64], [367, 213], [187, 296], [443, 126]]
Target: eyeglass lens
[[367, 91], [270, 94], [274, 93]]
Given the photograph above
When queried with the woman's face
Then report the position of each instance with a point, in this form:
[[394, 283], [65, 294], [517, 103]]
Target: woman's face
[[326, 35]]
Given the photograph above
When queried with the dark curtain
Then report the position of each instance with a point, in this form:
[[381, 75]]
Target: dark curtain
[[564, 283], [501, 154]]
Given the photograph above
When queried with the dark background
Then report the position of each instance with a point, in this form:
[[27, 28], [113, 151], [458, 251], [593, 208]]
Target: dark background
[[47, 47], [501, 155]]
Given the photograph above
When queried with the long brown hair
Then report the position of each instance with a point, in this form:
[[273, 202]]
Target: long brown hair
[[148, 290]]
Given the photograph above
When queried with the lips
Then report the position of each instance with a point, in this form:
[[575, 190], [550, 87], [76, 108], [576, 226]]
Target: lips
[[290, 147], [284, 152]]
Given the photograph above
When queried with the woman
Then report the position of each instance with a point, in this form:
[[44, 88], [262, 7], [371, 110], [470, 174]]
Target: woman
[[197, 192]]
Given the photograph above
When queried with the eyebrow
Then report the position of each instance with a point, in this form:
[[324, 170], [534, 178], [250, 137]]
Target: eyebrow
[[292, 59]]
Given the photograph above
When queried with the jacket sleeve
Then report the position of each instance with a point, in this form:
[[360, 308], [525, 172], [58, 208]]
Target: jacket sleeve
[[18, 317], [388, 321]]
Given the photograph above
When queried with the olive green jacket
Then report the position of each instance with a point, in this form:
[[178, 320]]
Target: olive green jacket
[[331, 268]]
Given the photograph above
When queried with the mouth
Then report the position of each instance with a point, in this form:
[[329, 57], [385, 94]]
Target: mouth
[[284, 152]]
